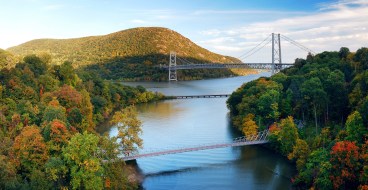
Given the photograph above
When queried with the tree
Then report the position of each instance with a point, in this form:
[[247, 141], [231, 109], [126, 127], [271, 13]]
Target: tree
[[313, 92], [75, 117], [344, 52], [345, 165], [250, 127], [336, 95], [361, 56], [81, 158], [68, 97], [322, 180], [54, 111], [364, 174], [36, 64], [30, 148], [288, 135], [300, 153], [57, 170], [355, 128], [129, 127], [114, 175], [268, 106], [57, 135], [306, 177], [66, 73]]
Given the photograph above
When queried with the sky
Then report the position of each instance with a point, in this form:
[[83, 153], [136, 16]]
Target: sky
[[229, 27]]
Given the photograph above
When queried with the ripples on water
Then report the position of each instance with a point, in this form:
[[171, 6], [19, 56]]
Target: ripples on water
[[177, 123]]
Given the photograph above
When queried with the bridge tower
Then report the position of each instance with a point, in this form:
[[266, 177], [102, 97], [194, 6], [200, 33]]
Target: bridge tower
[[172, 71], [276, 53]]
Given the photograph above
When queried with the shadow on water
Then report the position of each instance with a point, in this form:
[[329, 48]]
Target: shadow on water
[[187, 169]]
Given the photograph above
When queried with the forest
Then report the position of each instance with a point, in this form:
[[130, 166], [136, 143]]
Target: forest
[[317, 116], [48, 120]]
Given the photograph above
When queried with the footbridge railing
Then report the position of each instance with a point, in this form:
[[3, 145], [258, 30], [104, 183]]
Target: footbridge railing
[[259, 138]]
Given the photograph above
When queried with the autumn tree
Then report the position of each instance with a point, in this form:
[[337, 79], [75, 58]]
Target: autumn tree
[[114, 177], [57, 135], [9, 178], [300, 153], [129, 128], [30, 148], [288, 135], [250, 127], [345, 165]]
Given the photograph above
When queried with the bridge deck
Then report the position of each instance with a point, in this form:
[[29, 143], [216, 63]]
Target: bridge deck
[[227, 66], [259, 138], [175, 151]]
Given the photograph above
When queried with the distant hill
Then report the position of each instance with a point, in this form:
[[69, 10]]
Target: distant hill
[[129, 54]]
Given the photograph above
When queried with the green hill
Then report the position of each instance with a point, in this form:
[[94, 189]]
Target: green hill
[[129, 54]]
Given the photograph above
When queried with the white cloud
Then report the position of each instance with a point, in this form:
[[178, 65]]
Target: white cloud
[[339, 24], [244, 12]]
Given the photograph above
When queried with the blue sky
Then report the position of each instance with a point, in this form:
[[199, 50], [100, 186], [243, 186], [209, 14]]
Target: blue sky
[[229, 27]]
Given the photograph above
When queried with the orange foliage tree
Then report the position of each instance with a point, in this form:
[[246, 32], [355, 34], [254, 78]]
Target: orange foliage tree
[[250, 127], [345, 165], [30, 148]]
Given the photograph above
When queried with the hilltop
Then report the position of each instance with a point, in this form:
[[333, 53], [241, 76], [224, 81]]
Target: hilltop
[[128, 54]]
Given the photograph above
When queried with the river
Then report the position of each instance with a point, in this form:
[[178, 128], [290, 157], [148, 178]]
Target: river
[[186, 122]]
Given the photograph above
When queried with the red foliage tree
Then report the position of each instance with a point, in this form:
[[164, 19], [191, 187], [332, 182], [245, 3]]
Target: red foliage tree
[[345, 165]]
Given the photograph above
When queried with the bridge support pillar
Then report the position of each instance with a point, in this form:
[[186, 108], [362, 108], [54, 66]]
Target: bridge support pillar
[[276, 54], [172, 67]]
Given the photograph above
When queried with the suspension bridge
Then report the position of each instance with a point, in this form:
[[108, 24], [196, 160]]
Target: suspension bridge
[[259, 138], [275, 65]]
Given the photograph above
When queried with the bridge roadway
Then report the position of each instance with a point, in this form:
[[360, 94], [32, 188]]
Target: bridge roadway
[[228, 66], [259, 138]]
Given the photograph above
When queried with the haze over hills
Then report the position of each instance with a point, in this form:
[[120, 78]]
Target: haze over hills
[[130, 54]]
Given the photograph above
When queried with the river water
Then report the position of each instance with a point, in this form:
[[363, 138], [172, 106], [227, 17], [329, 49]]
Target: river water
[[186, 122]]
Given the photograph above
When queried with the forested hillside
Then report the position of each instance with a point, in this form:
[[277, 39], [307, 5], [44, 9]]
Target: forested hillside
[[317, 114], [131, 54], [48, 117]]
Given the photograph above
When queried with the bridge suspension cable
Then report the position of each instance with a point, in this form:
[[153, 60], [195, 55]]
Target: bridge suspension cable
[[254, 49], [184, 60], [299, 45]]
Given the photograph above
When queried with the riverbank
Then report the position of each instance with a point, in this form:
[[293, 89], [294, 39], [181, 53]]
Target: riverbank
[[135, 176]]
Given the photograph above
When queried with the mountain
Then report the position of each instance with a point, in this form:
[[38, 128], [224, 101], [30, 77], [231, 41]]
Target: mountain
[[129, 54]]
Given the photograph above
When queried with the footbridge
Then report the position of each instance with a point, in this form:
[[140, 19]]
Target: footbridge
[[259, 138], [275, 65]]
